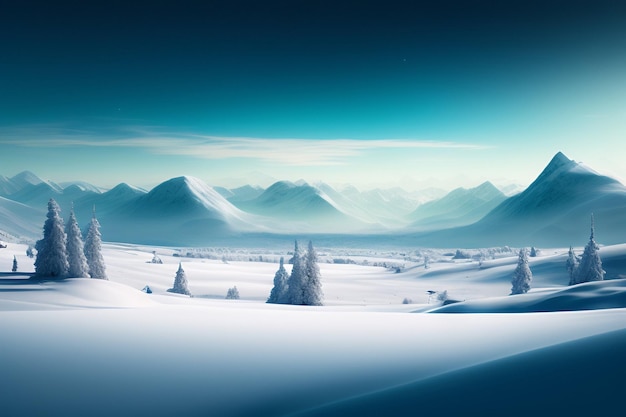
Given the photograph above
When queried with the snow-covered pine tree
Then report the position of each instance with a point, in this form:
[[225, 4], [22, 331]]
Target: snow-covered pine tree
[[78, 267], [590, 266], [533, 252], [278, 295], [571, 264], [51, 251], [297, 279], [14, 268], [93, 250], [522, 275], [232, 293], [312, 293], [180, 282]]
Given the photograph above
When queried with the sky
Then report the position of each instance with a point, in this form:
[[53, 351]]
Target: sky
[[371, 93]]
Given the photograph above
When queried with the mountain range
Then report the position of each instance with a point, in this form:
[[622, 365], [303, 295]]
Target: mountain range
[[184, 211]]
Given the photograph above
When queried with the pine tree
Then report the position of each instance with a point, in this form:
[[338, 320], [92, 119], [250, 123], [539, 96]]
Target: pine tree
[[78, 267], [590, 266], [232, 293], [297, 279], [14, 269], [522, 275], [51, 251], [533, 252], [312, 293], [571, 264], [93, 250], [180, 282], [278, 295]]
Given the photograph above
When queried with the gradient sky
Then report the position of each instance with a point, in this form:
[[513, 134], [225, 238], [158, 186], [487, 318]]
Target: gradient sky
[[447, 93]]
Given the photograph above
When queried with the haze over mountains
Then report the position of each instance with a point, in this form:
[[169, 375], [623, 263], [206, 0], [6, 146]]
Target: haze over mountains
[[554, 210]]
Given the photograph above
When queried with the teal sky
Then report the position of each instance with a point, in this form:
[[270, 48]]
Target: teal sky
[[368, 93]]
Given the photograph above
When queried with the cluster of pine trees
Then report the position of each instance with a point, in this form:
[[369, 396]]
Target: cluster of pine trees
[[585, 268], [588, 267], [303, 286], [62, 254]]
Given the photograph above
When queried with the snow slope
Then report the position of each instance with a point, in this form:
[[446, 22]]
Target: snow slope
[[100, 348], [20, 220]]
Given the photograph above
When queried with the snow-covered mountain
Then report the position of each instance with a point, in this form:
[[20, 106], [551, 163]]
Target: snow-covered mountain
[[384, 206], [107, 203], [243, 193], [560, 201], [23, 182], [27, 188], [460, 207], [182, 210], [308, 207], [554, 210]]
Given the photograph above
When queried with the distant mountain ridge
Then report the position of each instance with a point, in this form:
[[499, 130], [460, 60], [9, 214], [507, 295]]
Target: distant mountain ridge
[[553, 210], [458, 208]]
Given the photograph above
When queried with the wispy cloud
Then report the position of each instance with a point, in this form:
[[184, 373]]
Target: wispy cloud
[[286, 151]]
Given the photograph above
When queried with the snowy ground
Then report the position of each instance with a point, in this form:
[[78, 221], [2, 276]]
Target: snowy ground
[[88, 347]]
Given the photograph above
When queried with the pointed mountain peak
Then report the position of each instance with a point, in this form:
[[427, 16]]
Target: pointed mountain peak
[[27, 177], [559, 163], [560, 160], [123, 188], [487, 185], [487, 191]]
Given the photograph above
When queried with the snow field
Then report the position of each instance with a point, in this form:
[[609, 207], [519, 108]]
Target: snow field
[[90, 347]]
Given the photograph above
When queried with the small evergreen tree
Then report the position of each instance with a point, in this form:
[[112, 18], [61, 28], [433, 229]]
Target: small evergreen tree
[[533, 252], [278, 295], [155, 258], [14, 269], [590, 266], [93, 250], [51, 251], [571, 264], [522, 275], [297, 279], [29, 252], [77, 261], [232, 293], [180, 282], [312, 294]]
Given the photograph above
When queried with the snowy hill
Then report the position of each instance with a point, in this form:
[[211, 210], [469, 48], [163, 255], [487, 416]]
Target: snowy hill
[[458, 208]]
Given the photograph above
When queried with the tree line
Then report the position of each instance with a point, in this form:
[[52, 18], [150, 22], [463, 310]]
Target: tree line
[[303, 286]]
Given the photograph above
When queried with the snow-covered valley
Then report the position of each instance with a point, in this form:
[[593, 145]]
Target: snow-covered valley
[[91, 347]]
